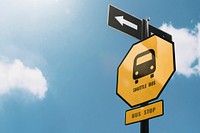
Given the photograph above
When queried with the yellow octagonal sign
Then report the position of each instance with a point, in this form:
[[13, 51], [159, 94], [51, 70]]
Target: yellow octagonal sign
[[145, 70]]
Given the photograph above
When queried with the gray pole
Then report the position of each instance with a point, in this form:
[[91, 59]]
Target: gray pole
[[144, 125]]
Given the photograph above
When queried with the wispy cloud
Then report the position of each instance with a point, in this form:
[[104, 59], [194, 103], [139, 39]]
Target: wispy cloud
[[16, 76], [187, 48]]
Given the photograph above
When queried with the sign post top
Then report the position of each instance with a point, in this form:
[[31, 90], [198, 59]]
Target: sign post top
[[132, 25]]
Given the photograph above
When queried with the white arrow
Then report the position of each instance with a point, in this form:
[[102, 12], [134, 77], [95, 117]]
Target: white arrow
[[123, 21]]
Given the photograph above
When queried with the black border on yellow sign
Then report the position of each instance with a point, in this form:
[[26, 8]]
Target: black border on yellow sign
[[148, 118], [174, 64]]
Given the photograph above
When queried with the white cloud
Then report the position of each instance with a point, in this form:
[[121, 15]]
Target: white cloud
[[187, 49], [16, 76]]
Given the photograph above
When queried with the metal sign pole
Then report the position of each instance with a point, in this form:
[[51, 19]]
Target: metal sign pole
[[144, 125]]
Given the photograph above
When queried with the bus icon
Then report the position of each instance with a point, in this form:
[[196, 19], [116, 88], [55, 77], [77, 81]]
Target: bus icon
[[144, 64]]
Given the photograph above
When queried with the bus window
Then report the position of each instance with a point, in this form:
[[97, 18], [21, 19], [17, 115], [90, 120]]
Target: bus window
[[144, 59]]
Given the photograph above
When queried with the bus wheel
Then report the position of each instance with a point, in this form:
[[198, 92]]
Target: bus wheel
[[152, 75]]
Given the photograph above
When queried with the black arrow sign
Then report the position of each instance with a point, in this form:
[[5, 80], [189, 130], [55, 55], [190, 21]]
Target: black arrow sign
[[132, 25], [124, 22]]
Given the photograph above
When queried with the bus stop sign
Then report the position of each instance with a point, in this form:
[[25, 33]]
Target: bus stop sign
[[145, 70]]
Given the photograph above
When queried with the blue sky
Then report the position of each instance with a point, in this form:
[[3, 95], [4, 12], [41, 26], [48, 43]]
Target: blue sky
[[59, 59]]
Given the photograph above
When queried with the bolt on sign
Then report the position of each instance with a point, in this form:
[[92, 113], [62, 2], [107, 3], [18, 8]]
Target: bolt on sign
[[145, 70], [143, 113]]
